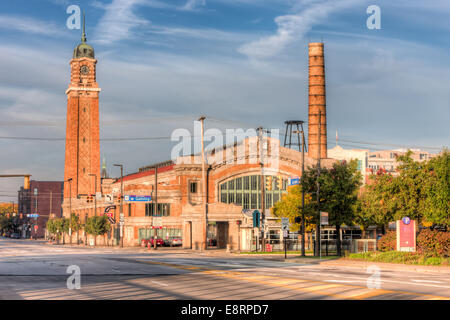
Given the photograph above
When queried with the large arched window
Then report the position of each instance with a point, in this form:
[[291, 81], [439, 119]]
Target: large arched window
[[246, 191]]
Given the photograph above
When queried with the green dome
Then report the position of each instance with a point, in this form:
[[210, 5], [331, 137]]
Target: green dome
[[83, 50]]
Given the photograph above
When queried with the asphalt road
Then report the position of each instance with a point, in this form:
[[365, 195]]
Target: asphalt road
[[34, 270]]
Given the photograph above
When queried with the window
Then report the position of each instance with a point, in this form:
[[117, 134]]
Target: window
[[193, 187], [163, 210], [246, 192], [129, 209]]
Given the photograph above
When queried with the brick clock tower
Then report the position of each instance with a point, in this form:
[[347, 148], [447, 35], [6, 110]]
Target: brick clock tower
[[82, 129]]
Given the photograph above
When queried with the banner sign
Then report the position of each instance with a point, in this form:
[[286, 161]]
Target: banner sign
[[406, 235]]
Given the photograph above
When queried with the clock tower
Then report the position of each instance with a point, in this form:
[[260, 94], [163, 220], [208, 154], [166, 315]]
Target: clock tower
[[82, 130]]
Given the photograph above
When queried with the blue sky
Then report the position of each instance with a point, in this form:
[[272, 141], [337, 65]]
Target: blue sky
[[161, 64]]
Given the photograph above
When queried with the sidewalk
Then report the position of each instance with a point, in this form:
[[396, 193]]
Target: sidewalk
[[342, 262]]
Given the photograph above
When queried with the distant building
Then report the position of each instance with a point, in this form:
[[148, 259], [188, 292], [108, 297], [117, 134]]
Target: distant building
[[361, 155], [43, 198], [387, 159]]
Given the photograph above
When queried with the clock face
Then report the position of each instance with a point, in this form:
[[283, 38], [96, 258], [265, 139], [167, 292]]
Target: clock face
[[84, 70]]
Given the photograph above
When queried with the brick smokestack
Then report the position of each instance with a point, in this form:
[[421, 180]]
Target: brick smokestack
[[317, 102]]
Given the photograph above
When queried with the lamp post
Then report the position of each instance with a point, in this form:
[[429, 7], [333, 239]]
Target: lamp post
[[204, 246], [70, 209], [121, 203]]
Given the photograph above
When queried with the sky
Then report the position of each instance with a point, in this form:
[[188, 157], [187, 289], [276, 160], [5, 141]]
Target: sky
[[241, 63]]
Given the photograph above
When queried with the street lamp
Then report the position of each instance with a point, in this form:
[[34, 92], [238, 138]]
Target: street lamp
[[70, 208], [121, 204]]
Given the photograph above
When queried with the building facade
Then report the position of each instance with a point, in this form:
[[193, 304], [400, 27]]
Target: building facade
[[44, 198], [360, 155]]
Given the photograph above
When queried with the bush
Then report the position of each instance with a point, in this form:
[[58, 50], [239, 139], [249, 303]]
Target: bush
[[433, 243], [388, 242], [399, 257]]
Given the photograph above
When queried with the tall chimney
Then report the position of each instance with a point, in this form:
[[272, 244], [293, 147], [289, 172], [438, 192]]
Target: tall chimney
[[317, 102]]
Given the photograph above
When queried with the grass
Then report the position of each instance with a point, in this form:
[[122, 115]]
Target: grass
[[400, 257]]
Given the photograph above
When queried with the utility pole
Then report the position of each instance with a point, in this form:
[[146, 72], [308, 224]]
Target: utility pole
[[318, 231], [205, 228], [303, 194], [95, 191], [263, 187], [121, 216]]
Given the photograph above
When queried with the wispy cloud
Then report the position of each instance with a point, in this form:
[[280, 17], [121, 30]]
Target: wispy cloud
[[193, 5], [292, 27], [29, 25], [119, 20]]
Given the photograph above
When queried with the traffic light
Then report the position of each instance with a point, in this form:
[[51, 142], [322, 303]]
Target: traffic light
[[269, 183], [298, 219], [26, 182], [280, 183]]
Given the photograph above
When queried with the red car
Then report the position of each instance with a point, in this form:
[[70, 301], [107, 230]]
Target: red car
[[159, 242]]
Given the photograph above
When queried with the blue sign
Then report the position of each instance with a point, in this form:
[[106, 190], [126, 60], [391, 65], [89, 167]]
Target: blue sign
[[138, 198], [294, 181], [406, 220], [33, 215]]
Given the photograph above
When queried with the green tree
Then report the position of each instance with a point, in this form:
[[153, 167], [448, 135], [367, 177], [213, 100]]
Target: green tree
[[378, 201], [410, 192], [290, 207], [6, 223], [436, 188], [97, 226], [339, 187], [75, 225]]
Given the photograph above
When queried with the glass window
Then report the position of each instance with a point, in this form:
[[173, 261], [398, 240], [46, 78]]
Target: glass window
[[239, 184], [193, 187], [231, 185], [247, 183]]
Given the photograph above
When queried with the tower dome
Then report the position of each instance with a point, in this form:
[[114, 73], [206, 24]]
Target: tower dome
[[83, 49]]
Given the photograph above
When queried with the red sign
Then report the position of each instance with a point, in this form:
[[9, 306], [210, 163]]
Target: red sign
[[406, 235], [35, 228], [109, 214], [268, 248]]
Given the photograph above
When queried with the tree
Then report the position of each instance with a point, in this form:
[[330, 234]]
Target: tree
[[97, 226], [339, 187], [75, 225], [290, 207], [6, 223], [436, 188], [410, 192], [378, 201]]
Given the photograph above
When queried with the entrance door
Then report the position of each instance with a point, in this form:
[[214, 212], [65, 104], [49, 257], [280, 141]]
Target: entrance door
[[222, 235]]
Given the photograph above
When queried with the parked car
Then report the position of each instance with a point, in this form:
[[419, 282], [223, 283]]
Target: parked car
[[159, 242], [15, 236], [173, 241]]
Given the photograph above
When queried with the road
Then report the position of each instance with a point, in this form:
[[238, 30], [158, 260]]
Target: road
[[35, 270]]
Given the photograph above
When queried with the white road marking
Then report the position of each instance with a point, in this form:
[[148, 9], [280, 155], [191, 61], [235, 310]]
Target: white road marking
[[160, 283], [431, 281]]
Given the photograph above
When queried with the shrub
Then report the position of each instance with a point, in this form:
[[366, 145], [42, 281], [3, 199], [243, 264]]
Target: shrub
[[387, 242], [433, 243], [434, 261]]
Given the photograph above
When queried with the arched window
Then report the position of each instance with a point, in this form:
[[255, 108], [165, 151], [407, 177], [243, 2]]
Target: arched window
[[246, 191]]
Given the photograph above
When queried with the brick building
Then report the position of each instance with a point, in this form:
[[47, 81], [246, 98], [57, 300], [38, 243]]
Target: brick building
[[43, 198], [233, 189]]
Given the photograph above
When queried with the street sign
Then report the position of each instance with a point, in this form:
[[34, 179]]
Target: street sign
[[284, 223], [324, 218], [285, 233], [294, 181], [32, 215], [138, 198], [109, 199], [98, 195]]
